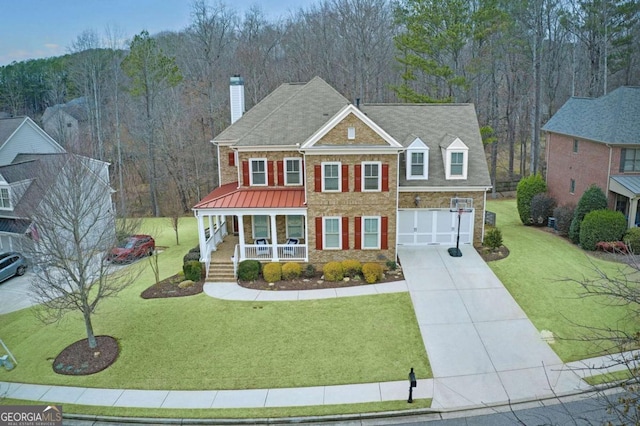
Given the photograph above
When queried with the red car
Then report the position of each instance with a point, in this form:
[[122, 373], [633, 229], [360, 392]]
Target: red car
[[132, 248]]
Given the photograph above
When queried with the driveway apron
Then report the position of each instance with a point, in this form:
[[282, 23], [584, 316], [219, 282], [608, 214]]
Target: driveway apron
[[482, 347]]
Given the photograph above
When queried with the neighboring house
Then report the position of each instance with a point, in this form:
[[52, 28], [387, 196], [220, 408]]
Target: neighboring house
[[25, 152], [307, 176], [68, 123], [597, 141]]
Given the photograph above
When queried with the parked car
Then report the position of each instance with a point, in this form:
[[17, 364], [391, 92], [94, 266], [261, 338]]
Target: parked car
[[12, 264], [132, 248]]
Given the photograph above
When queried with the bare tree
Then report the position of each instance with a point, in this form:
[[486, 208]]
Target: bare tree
[[69, 205]]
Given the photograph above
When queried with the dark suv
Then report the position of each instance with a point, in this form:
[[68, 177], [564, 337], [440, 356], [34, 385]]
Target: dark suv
[[132, 248]]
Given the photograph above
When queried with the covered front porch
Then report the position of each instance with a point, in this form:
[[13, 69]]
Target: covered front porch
[[627, 191], [271, 224]]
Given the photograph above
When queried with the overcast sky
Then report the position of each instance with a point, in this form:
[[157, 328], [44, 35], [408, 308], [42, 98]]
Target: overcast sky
[[33, 29]]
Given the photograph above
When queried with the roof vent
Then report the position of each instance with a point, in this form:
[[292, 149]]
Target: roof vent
[[236, 91]]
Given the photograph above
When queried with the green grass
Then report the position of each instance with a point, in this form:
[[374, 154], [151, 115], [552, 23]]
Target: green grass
[[535, 273], [614, 377], [234, 413], [199, 342]]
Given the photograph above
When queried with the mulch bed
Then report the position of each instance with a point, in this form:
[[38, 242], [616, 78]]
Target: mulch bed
[[169, 288], [317, 283], [490, 255], [78, 359]]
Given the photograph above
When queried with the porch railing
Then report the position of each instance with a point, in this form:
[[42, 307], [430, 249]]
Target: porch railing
[[219, 232], [285, 252]]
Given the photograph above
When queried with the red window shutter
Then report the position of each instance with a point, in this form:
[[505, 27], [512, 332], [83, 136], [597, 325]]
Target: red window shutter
[[280, 173], [357, 225], [345, 233], [318, 233], [384, 233], [345, 178], [245, 173], [270, 176], [232, 158], [358, 178], [385, 177], [317, 175]]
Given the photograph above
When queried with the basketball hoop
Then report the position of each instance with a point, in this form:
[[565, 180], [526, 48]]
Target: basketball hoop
[[460, 206]]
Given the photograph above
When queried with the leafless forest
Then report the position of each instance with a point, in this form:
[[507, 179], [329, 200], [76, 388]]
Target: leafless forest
[[153, 102]]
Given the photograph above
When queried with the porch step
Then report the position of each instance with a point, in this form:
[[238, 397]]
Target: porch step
[[221, 272]]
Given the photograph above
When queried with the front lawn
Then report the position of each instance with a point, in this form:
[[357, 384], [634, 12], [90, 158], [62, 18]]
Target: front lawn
[[198, 342], [535, 273]]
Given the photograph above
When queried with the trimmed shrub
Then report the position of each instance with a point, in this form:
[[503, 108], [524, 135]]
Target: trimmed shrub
[[372, 272], [192, 270], [248, 270], [564, 216], [351, 267], [632, 239], [601, 225], [272, 272], [527, 188], [191, 255], [309, 271], [612, 247], [291, 270], [542, 206], [592, 199], [391, 265], [493, 238], [333, 271], [186, 283]]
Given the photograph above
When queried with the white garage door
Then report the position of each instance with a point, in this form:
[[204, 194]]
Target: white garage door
[[433, 226]]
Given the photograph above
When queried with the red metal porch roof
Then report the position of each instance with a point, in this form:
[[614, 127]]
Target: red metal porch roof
[[229, 196]]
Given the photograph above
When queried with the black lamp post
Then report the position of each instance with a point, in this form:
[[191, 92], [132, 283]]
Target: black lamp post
[[412, 384]]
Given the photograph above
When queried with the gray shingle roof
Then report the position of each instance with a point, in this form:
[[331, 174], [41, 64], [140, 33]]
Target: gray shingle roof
[[612, 118], [8, 126], [288, 116], [435, 125]]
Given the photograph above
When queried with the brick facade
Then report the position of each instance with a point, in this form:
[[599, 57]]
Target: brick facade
[[228, 171], [364, 135]]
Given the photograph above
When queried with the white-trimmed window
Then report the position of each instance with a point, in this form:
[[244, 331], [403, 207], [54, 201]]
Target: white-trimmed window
[[292, 171], [260, 227], [331, 233], [456, 158], [5, 198], [331, 177], [258, 171], [417, 160], [371, 176], [351, 133], [371, 232], [295, 226]]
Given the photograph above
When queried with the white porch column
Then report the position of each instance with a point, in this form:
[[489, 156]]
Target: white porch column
[[633, 209], [274, 238], [202, 239], [306, 236], [241, 236]]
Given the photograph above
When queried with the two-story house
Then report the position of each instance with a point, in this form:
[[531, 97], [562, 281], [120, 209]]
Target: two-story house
[[597, 141], [307, 176], [26, 153]]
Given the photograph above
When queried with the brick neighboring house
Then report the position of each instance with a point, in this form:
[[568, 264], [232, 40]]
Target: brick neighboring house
[[307, 176], [597, 141]]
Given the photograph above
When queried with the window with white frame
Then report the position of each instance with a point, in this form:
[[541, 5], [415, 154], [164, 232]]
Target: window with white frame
[[417, 160], [260, 227], [331, 233], [295, 226], [351, 133], [371, 177], [331, 177], [5, 200], [457, 163], [293, 171], [258, 171], [371, 232]]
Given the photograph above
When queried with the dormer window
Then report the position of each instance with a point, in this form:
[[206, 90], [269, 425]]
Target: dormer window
[[417, 160], [456, 157], [5, 200]]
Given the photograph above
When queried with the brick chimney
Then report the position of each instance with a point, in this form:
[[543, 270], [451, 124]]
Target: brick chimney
[[236, 91]]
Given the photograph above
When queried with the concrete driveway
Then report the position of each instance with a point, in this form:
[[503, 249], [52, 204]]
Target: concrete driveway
[[14, 293], [482, 347]]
